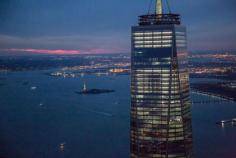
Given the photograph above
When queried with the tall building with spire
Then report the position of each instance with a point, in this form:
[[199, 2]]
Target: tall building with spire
[[160, 94]]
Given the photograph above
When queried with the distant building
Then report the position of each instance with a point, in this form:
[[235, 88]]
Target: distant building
[[160, 94]]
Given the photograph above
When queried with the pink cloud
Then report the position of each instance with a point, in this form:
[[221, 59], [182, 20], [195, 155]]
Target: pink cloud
[[66, 52], [45, 51]]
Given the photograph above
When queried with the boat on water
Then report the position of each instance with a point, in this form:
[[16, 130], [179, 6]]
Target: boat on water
[[33, 88], [93, 91], [224, 122]]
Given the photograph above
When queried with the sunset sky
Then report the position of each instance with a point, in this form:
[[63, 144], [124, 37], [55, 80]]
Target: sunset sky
[[103, 26]]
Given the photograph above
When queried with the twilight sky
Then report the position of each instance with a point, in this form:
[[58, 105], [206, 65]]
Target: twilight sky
[[103, 26]]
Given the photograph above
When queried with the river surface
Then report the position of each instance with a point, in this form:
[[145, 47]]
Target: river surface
[[42, 117]]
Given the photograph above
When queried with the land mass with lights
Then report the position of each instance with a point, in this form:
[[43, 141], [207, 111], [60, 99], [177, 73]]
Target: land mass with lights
[[219, 67]]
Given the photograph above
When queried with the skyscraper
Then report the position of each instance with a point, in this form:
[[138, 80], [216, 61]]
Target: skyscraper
[[160, 95]]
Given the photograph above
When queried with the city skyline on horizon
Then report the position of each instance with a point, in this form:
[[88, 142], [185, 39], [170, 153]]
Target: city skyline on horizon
[[58, 28]]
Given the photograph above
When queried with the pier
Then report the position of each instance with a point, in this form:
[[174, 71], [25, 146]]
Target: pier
[[220, 99], [214, 95]]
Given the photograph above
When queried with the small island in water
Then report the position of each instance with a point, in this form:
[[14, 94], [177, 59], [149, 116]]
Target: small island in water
[[93, 91]]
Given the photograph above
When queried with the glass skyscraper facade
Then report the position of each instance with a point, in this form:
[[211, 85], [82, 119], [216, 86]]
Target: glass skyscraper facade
[[160, 94]]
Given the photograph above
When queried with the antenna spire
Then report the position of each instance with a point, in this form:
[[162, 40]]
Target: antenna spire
[[159, 7]]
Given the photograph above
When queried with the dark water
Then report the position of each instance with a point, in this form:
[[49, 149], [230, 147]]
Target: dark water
[[52, 121]]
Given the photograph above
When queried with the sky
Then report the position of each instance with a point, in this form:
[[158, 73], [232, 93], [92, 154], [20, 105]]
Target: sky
[[104, 26]]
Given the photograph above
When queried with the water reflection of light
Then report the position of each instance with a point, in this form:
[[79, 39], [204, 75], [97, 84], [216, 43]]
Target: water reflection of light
[[62, 147], [222, 124]]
